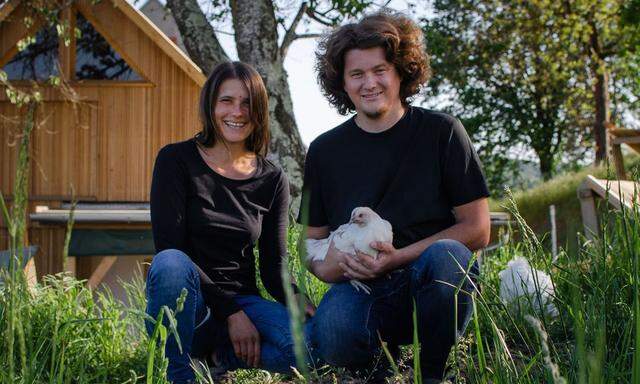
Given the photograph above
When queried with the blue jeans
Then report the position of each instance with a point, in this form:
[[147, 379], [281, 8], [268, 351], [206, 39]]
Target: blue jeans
[[349, 320], [200, 334]]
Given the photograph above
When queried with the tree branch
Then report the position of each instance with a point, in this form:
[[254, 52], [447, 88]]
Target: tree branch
[[308, 35], [290, 35], [315, 16]]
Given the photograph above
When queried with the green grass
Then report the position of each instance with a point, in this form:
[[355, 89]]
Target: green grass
[[75, 336]]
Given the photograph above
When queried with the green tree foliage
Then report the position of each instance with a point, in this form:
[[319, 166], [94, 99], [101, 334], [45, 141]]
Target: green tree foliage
[[523, 74], [610, 33]]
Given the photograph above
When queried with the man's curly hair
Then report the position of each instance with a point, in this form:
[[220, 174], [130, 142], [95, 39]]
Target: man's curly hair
[[402, 41]]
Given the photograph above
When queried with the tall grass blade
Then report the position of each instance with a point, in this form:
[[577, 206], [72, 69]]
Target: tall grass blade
[[296, 315], [296, 306], [70, 222], [544, 345], [417, 371], [5, 216], [482, 362], [387, 353]]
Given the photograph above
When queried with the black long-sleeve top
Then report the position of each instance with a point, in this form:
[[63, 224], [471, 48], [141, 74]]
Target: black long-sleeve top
[[216, 221]]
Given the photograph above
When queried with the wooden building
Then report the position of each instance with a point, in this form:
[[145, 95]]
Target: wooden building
[[138, 91]]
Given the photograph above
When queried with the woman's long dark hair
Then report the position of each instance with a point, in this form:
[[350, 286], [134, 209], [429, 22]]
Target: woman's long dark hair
[[258, 140]]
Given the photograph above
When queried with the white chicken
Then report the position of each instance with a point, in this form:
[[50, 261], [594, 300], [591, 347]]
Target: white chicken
[[519, 282], [364, 227]]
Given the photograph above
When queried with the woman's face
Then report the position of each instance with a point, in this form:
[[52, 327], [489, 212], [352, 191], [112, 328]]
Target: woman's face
[[231, 111]]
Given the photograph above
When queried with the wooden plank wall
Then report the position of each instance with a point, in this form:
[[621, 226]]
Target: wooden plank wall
[[69, 135], [108, 146], [10, 127]]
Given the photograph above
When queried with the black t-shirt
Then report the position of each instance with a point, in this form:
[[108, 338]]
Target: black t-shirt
[[411, 174], [216, 221]]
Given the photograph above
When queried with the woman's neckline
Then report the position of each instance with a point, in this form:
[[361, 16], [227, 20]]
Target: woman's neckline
[[218, 174]]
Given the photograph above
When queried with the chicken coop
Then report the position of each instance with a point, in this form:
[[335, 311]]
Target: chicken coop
[[130, 91]]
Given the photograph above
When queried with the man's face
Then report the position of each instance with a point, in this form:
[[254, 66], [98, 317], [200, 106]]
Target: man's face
[[372, 83]]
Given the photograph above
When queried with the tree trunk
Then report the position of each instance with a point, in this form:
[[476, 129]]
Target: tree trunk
[[601, 97], [545, 159], [256, 36], [199, 37], [600, 94]]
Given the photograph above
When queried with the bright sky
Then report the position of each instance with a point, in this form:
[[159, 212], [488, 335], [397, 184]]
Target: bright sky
[[313, 113]]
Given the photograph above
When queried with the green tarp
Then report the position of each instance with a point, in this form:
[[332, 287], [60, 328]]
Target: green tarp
[[107, 242]]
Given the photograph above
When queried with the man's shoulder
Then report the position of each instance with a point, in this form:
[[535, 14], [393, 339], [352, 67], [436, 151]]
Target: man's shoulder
[[333, 136], [433, 118]]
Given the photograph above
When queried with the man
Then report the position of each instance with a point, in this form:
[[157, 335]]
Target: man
[[417, 169]]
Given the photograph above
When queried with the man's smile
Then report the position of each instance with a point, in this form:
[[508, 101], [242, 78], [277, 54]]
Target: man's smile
[[371, 96]]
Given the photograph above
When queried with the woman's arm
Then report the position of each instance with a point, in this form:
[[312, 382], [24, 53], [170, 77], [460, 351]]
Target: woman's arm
[[272, 244], [168, 201]]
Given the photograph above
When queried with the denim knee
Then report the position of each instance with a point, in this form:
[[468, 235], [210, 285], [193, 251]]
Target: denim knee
[[445, 260], [172, 269], [340, 328], [342, 344]]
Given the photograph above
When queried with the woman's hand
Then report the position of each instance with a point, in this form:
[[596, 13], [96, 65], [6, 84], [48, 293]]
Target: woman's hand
[[245, 338], [309, 308]]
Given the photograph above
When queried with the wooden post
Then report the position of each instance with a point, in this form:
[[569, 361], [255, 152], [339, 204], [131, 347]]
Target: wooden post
[[618, 161], [30, 273], [101, 271], [554, 232], [588, 210]]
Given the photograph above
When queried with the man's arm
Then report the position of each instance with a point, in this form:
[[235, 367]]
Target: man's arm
[[328, 270], [472, 228]]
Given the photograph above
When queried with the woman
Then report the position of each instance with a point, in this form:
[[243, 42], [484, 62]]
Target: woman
[[212, 198]]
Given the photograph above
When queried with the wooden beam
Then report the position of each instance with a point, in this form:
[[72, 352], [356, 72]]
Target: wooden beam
[[101, 271], [13, 29], [67, 54], [168, 46], [149, 29], [617, 192], [627, 140], [7, 8], [93, 16]]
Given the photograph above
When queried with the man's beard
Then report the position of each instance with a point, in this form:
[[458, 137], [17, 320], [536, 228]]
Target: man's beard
[[374, 115]]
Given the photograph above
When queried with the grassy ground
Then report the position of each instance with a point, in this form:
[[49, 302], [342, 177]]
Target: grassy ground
[[66, 334]]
